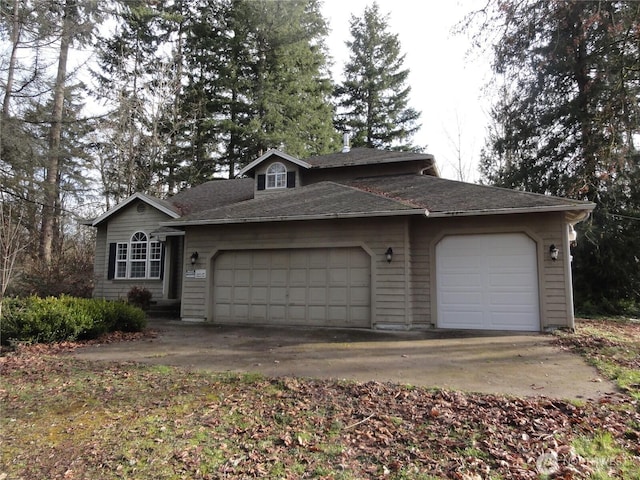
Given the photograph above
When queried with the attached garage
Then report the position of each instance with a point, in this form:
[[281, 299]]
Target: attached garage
[[311, 286], [488, 282]]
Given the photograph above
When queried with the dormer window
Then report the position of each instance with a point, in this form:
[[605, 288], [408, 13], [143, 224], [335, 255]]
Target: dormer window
[[276, 176]]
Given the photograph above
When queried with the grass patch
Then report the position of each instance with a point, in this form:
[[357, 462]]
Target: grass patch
[[66, 418], [613, 347]]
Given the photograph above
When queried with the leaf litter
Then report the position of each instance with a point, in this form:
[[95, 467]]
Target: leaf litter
[[67, 418]]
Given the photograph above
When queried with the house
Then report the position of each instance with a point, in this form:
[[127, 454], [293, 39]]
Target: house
[[362, 238]]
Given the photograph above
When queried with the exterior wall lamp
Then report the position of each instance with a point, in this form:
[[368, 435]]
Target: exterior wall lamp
[[389, 254], [553, 252], [194, 258]]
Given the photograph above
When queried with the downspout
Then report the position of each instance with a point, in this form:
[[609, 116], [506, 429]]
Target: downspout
[[569, 236]]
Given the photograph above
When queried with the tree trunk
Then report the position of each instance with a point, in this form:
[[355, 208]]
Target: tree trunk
[[15, 41], [52, 180]]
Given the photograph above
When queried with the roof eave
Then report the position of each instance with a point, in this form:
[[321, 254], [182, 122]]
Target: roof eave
[[127, 201], [290, 218], [268, 154], [416, 157], [505, 211]]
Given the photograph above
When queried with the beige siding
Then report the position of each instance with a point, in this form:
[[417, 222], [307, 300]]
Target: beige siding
[[352, 172], [100, 262], [388, 285], [262, 170], [544, 229], [119, 228]]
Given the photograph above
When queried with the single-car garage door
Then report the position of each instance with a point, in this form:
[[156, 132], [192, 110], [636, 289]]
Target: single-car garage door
[[487, 282], [314, 286]]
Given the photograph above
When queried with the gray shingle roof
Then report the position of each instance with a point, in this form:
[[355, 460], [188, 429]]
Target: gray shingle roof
[[212, 194], [381, 196], [450, 197], [319, 200], [364, 156]]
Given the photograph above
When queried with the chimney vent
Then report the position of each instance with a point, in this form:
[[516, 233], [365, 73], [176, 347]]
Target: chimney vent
[[345, 143]]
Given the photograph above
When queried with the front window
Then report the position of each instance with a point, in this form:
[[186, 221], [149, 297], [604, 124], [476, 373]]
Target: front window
[[140, 258], [276, 176]]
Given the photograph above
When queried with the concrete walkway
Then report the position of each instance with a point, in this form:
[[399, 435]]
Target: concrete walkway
[[512, 364]]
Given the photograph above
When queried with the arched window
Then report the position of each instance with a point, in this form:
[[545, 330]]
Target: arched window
[[140, 258], [276, 176]]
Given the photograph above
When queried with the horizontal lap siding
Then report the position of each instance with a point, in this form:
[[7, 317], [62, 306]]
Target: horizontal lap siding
[[119, 228], [420, 276], [547, 229], [388, 281]]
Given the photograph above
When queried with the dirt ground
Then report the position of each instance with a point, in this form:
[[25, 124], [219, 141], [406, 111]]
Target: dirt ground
[[488, 362]]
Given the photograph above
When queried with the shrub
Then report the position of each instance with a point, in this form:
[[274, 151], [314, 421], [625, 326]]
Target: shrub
[[46, 320], [139, 297]]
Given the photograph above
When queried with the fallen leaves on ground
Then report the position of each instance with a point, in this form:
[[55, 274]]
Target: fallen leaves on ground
[[66, 418]]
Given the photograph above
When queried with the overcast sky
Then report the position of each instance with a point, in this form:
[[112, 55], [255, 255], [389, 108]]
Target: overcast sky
[[446, 83]]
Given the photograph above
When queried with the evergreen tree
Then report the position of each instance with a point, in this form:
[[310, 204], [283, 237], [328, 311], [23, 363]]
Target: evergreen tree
[[258, 79], [565, 124], [374, 96]]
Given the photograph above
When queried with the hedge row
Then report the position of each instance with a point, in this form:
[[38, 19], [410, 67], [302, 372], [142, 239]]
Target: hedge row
[[51, 319]]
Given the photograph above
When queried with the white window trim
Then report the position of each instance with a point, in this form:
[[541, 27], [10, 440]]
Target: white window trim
[[279, 178], [149, 258]]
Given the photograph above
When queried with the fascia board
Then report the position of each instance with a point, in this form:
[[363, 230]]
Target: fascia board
[[127, 201], [270, 153], [505, 211], [284, 218]]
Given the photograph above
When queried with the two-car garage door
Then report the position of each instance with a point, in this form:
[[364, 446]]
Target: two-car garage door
[[311, 286], [487, 282]]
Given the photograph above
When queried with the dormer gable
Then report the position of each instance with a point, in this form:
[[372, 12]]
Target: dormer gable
[[275, 171]]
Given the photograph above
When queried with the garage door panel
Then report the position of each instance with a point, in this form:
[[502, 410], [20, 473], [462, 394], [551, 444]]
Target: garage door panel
[[297, 295], [297, 313], [223, 310], [224, 294], [471, 279], [259, 295], [337, 315], [360, 276], [461, 297], [338, 295], [317, 314], [318, 277], [360, 315], [338, 276], [512, 300], [240, 310], [241, 294], [259, 312], [278, 295], [298, 276], [302, 287], [487, 281], [360, 296]]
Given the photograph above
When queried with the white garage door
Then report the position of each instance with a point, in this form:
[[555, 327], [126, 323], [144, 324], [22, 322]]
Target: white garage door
[[487, 282], [320, 287]]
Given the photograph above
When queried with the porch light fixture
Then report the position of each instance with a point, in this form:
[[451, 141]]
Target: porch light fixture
[[389, 254], [194, 258], [553, 251]]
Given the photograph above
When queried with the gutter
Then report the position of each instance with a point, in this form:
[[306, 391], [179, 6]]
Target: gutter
[[325, 216], [587, 207], [583, 212]]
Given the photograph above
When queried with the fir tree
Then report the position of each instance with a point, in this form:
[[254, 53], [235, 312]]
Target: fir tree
[[373, 99]]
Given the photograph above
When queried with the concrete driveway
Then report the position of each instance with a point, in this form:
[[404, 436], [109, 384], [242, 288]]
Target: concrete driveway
[[513, 364]]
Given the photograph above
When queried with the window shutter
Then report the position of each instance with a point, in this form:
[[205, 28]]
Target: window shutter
[[112, 261], [261, 181], [162, 261], [291, 179]]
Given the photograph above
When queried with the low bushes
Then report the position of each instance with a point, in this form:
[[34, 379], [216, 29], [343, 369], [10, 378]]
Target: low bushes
[[45, 320]]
